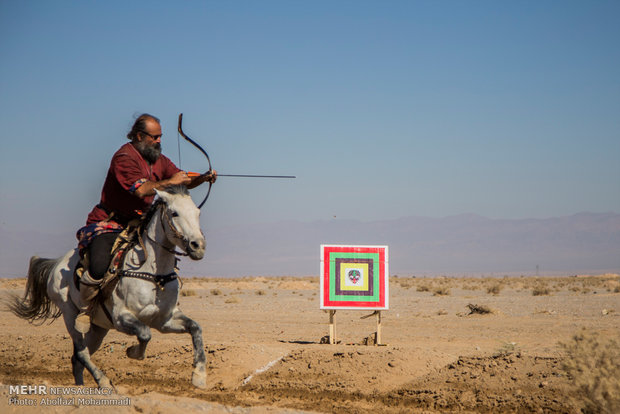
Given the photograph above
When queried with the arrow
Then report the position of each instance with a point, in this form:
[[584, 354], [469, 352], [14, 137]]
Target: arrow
[[195, 174]]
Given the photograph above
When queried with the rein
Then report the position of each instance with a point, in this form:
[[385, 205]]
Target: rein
[[175, 231], [159, 280]]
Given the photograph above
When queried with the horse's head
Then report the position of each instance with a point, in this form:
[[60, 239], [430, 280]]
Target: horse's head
[[180, 219]]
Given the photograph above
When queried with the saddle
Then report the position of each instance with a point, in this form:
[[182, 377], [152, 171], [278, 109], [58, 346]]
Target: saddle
[[126, 239]]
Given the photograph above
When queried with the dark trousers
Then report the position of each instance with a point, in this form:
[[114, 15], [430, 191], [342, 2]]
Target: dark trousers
[[100, 254]]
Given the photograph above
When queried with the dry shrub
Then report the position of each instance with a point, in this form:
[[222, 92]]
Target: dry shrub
[[405, 283], [216, 292], [260, 292], [506, 349], [592, 364], [423, 288], [540, 291], [188, 292], [441, 291], [468, 286], [479, 309], [233, 299], [545, 312], [494, 289]]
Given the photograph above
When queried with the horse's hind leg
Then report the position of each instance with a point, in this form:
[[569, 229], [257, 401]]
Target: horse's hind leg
[[93, 338], [179, 323], [129, 324]]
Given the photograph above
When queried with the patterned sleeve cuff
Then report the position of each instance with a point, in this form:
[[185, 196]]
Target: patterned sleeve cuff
[[137, 185]]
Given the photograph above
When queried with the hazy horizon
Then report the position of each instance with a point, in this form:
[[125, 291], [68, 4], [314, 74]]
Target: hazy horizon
[[461, 245]]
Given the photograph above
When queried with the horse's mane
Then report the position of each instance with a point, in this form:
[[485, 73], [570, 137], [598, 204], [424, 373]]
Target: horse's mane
[[177, 189]]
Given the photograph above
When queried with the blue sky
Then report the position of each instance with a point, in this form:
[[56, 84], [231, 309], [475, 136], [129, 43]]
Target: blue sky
[[381, 109]]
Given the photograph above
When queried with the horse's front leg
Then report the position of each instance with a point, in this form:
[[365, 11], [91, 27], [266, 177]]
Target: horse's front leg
[[179, 323], [129, 324]]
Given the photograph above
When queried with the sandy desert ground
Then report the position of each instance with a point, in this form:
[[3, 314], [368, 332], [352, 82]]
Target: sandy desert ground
[[543, 348]]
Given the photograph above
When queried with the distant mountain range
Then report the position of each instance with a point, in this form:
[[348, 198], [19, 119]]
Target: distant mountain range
[[460, 244], [463, 244]]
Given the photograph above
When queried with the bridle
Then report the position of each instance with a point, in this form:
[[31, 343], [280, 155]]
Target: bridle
[[165, 217], [159, 280]]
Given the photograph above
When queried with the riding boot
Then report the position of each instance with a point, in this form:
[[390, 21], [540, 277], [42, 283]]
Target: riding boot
[[89, 288]]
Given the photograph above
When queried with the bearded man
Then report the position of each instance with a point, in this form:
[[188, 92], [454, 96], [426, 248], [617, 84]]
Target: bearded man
[[137, 169]]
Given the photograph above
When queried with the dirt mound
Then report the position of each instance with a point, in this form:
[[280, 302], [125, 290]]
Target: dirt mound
[[502, 383], [481, 384]]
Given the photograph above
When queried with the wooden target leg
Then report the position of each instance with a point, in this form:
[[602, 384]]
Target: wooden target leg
[[332, 326], [378, 339]]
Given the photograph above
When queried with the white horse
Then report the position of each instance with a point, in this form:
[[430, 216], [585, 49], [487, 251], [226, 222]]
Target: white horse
[[146, 294]]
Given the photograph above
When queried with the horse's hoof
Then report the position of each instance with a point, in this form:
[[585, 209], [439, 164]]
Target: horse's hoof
[[104, 382], [199, 380], [133, 352], [199, 376]]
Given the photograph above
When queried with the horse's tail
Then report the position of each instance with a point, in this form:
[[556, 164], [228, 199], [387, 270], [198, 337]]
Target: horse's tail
[[36, 305]]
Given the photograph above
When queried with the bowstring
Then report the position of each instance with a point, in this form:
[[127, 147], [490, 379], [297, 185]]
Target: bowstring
[[179, 148]]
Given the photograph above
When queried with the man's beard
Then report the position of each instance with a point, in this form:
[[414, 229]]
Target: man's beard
[[149, 152]]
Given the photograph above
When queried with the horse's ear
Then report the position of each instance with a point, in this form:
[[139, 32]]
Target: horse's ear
[[163, 195]]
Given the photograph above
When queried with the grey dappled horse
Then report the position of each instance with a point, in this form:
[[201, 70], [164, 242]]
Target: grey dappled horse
[[138, 302]]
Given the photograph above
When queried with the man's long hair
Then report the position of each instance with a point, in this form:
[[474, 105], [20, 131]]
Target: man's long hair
[[140, 125]]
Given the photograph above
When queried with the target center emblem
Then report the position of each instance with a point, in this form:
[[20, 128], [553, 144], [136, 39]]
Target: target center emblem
[[354, 275]]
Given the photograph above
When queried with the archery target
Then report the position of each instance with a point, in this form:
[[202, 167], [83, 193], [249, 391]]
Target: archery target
[[354, 277]]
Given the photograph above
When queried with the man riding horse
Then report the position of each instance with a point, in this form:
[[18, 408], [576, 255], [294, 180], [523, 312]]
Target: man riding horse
[[137, 169]]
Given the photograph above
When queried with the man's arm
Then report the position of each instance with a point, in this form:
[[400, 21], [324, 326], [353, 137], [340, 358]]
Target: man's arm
[[179, 178], [210, 176], [148, 188]]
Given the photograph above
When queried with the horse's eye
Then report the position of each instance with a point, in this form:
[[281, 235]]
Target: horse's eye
[[175, 214]]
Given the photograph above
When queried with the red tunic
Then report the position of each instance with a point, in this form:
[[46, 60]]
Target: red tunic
[[128, 171]]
